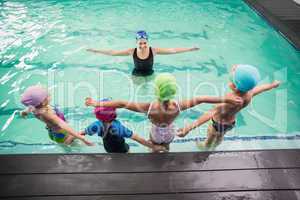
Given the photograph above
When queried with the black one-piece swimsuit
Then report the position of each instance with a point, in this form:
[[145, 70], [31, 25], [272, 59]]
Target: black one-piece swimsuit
[[143, 67]]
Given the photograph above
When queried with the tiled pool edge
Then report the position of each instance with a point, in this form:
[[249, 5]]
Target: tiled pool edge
[[235, 143]]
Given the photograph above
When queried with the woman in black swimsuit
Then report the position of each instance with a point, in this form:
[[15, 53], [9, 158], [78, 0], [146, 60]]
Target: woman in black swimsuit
[[143, 55]]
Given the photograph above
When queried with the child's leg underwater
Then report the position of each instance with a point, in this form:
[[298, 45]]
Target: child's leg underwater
[[211, 136], [69, 139], [219, 139], [166, 145], [167, 148]]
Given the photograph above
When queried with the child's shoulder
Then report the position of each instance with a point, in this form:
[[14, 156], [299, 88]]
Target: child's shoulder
[[246, 98], [42, 111], [233, 95], [121, 129], [117, 124]]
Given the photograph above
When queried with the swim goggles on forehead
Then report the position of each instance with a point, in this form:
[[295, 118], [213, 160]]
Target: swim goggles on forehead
[[141, 35]]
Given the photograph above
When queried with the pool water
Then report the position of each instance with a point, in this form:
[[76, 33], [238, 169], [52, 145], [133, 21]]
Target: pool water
[[45, 41]]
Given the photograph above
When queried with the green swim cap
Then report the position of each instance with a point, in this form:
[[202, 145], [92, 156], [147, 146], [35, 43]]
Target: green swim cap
[[165, 86], [245, 77]]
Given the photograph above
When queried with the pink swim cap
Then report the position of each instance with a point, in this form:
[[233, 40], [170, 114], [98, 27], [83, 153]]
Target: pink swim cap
[[105, 114], [34, 96]]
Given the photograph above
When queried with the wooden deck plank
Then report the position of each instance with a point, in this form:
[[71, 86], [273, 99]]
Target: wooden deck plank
[[149, 183], [120, 163], [279, 13], [247, 195]]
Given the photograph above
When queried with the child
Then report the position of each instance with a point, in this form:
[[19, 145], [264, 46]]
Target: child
[[164, 111], [37, 99], [113, 132], [243, 81]]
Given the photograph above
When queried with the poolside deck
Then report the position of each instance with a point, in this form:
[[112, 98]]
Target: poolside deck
[[284, 15], [270, 174]]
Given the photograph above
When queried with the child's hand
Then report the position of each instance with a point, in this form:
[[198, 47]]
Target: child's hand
[[88, 143], [23, 113], [234, 100], [159, 148], [82, 133], [182, 132], [89, 101], [275, 84], [85, 141]]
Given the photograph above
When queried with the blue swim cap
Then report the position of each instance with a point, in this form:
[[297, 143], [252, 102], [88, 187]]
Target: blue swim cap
[[141, 35], [245, 77]]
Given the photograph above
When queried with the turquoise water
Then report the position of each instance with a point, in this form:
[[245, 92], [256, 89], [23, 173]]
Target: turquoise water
[[45, 41]]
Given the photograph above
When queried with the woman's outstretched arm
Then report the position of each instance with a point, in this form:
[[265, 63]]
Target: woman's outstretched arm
[[125, 52], [166, 51]]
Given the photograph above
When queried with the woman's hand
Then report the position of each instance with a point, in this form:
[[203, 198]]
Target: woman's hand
[[92, 50], [195, 49], [275, 84]]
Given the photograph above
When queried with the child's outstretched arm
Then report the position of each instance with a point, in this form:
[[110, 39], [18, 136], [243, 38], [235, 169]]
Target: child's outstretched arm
[[208, 99], [201, 120], [265, 87], [63, 125], [137, 107], [146, 143]]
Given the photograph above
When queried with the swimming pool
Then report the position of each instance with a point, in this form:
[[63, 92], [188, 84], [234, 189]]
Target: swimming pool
[[44, 42]]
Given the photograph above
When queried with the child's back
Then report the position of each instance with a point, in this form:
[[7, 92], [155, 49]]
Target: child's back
[[226, 112], [113, 131], [39, 113], [36, 99], [244, 79], [163, 114]]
